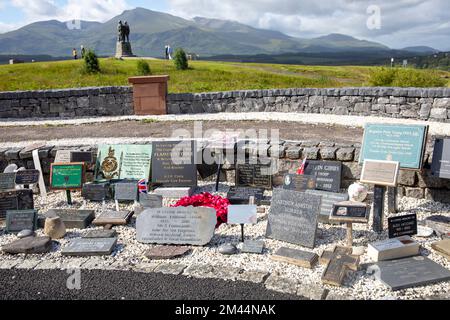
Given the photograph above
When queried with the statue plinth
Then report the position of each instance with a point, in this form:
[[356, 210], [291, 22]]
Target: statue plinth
[[123, 49]]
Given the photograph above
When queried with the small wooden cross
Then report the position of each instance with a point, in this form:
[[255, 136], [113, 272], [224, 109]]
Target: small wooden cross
[[338, 261]]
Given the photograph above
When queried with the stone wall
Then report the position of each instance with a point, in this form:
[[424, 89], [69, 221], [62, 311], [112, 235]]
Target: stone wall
[[413, 103], [411, 183], [67, 103]]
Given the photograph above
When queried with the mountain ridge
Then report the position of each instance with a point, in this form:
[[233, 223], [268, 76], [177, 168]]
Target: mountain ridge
[[152, 30]]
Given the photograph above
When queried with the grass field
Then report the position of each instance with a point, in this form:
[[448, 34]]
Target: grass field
[[201, 77]]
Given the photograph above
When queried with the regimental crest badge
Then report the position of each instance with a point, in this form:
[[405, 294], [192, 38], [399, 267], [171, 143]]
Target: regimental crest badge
[[110, 165]]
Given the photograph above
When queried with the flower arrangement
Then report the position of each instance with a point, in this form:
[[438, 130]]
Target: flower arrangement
[[206, 199]]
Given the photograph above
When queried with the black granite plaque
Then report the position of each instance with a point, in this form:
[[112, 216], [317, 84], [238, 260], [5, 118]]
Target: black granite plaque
[[27, 177], [378, 208], [18, 220], [327, 173], [126, 191], [299, 182], [241, 195], [328, 200], [405, 225], [252, 174], [349, 211], [293, 217], [149, 200], [440, 167], [96, 191], [209, 165], [81, 156], [173, 164], [73, 218], [7, 181], [15, 200]]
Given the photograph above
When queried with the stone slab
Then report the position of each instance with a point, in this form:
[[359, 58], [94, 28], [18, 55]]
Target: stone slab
[[328, 174], [126, 191], [102, 233], [167, 268], [394, 248], [18, 220], [174, 192], [408, 272], [115, 218], [72, 218], [193, 226], [329, 199], [29, 245], [150, 200], [166, 252], [442, 247]]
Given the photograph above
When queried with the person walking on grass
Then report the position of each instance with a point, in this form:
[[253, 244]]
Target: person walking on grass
[[170, 52], [75, 54]]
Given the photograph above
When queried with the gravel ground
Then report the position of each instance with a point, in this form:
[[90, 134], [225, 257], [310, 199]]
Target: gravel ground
[[127, 285], [357, 285]]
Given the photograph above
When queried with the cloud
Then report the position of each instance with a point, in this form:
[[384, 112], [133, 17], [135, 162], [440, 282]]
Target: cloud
[[403, 22], [96, 10]]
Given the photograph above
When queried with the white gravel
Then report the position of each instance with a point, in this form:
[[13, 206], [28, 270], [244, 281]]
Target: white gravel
[[357, 284]]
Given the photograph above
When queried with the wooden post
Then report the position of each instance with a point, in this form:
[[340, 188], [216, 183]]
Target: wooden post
[[392, 199], [378, 208], [69, 197], [349, 234]]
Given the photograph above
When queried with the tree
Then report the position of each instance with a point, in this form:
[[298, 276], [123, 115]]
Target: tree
[[91, 62], [180, 59], [143, 68]]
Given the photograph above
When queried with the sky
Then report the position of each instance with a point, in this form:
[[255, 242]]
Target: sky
[[396, 23]]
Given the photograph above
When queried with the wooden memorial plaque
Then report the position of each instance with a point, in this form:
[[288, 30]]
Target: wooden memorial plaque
[[380, 172]]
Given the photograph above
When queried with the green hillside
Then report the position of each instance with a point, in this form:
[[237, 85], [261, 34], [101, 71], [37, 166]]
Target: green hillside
[[202, 76]]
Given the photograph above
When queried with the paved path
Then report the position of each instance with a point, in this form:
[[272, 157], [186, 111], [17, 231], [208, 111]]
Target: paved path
[[116, 285]]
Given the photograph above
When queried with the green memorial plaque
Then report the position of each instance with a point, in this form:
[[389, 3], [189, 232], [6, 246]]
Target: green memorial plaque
[[393, 142], [130, 162], [66, 176]]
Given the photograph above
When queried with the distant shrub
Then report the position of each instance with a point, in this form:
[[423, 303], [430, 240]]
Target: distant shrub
[[180, 59], [405, 77], [143, 68], [91, 63]]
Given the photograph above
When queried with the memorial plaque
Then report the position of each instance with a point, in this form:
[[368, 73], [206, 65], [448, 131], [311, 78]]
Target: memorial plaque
[[113, 217], [173, 164], [18, 220], [299, 258], [63, 156], [408, 272], [299, 182], [16, 200], [405, 225], [96, 191], [293, 217], [67, 176], [81, 156], [149, 200], [89, 247], [27, 177], [394, 248], [442, 248], [349, 211], [393, 142], [337, 264], [329, 199], [73, 218], [7, 181], [440, 167], [381, 173], [242, 214], [252, 174], [102, 233], [180, 225], [126, 191], [241, 195], [327, 173], [253, 246], [131, 162]]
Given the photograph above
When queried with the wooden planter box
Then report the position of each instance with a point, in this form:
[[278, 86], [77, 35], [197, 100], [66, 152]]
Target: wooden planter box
[[149, 94]]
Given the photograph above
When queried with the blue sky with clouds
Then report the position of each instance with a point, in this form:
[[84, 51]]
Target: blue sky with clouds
[[401, 23]]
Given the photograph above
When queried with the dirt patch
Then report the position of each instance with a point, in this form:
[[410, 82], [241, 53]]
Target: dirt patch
[[141, 129]]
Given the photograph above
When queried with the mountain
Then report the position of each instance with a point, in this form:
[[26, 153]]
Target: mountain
[[421, 49], [151, 31]]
